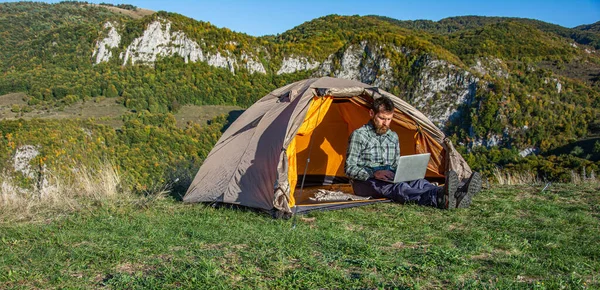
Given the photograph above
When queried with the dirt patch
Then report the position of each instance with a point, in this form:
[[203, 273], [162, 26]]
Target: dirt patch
[[482, 256], [131, 268], [308, 220], [353, 228], [10, 99], [527, 279], [401, 245], [453, 227], [218, 246], [7, 102]]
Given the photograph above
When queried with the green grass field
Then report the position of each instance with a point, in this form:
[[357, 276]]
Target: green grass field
[[512, 237]]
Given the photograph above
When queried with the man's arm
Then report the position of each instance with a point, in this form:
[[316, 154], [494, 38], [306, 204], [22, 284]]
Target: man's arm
[[355, 145]]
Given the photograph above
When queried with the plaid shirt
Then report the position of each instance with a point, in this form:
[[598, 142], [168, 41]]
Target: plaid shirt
[[369, 152]]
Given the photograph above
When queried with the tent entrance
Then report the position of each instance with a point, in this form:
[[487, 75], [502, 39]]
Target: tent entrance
[[319, 148]]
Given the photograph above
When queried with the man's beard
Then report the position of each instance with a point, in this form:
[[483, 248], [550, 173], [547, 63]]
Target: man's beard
[[381, 129]]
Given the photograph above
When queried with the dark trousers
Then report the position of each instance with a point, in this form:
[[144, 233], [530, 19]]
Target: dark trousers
[[418, 191]]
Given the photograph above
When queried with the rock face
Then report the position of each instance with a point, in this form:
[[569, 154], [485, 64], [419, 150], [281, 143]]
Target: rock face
[[252, 65], [158, 40], [363, 62], [293, 64], [528, 151], [103, 47], [23, 155], [491, 66], [22, 163], [442, 88]]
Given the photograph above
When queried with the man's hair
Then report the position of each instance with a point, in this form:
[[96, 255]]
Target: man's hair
[[383, 104]]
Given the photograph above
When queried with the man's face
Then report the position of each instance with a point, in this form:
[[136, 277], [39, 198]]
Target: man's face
[[382, 121]]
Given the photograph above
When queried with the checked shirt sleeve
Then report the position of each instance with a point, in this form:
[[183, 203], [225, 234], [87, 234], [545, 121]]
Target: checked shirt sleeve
[[353, 168]]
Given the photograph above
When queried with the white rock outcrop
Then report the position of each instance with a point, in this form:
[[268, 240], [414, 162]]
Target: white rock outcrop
[[158, 40], [491, 66], [292, 64], [22, 163], [528, 151], [103, 47], [217, 60], [362, 62], [491, 141], [185, 47], [252, 65], [442, 88], [24, 155]]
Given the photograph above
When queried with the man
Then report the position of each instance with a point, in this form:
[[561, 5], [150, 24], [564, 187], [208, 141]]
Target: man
[[372, 157]]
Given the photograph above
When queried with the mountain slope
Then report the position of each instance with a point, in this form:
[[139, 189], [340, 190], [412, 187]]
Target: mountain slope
[[584, 34], [485, 80], [594, 27]]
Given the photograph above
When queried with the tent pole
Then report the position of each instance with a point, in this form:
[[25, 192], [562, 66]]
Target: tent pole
[[308, 157]]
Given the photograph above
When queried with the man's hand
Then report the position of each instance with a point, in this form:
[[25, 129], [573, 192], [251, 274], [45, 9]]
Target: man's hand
[[384, 175]]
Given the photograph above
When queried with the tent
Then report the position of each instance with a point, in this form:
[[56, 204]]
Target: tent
[[297, 136]]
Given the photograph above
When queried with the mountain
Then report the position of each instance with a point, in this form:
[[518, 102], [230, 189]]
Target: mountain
[[594, 27], [584, 34], [519, 84]]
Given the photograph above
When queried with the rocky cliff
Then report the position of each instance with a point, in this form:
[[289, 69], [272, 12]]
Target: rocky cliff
[[158, 40]]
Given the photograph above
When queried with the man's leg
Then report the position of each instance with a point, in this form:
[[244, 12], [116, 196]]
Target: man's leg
[[368, 187], [419, 191]]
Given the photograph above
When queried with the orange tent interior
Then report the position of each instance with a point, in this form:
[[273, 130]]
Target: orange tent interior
[[319, 148]]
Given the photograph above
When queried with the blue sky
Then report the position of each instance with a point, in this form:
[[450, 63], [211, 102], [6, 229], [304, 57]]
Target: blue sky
[[259, 18]]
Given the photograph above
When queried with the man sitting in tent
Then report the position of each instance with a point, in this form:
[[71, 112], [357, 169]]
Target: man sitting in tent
[[373, 150]]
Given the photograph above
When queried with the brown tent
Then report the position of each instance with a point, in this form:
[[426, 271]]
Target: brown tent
[[299, 133]]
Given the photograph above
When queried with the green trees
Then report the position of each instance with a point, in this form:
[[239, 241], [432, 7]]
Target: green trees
[[147, 148]]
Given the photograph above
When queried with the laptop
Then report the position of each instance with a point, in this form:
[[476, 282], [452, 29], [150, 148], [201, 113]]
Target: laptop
[[411, 167]]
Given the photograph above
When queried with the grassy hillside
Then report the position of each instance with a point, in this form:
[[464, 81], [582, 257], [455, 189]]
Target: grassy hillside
[[511, 237]]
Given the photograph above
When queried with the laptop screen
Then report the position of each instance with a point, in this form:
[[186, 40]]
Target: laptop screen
[[411, 167]]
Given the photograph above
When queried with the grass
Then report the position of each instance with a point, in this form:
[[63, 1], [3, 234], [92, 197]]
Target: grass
[[202, 114], [512, 237]]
